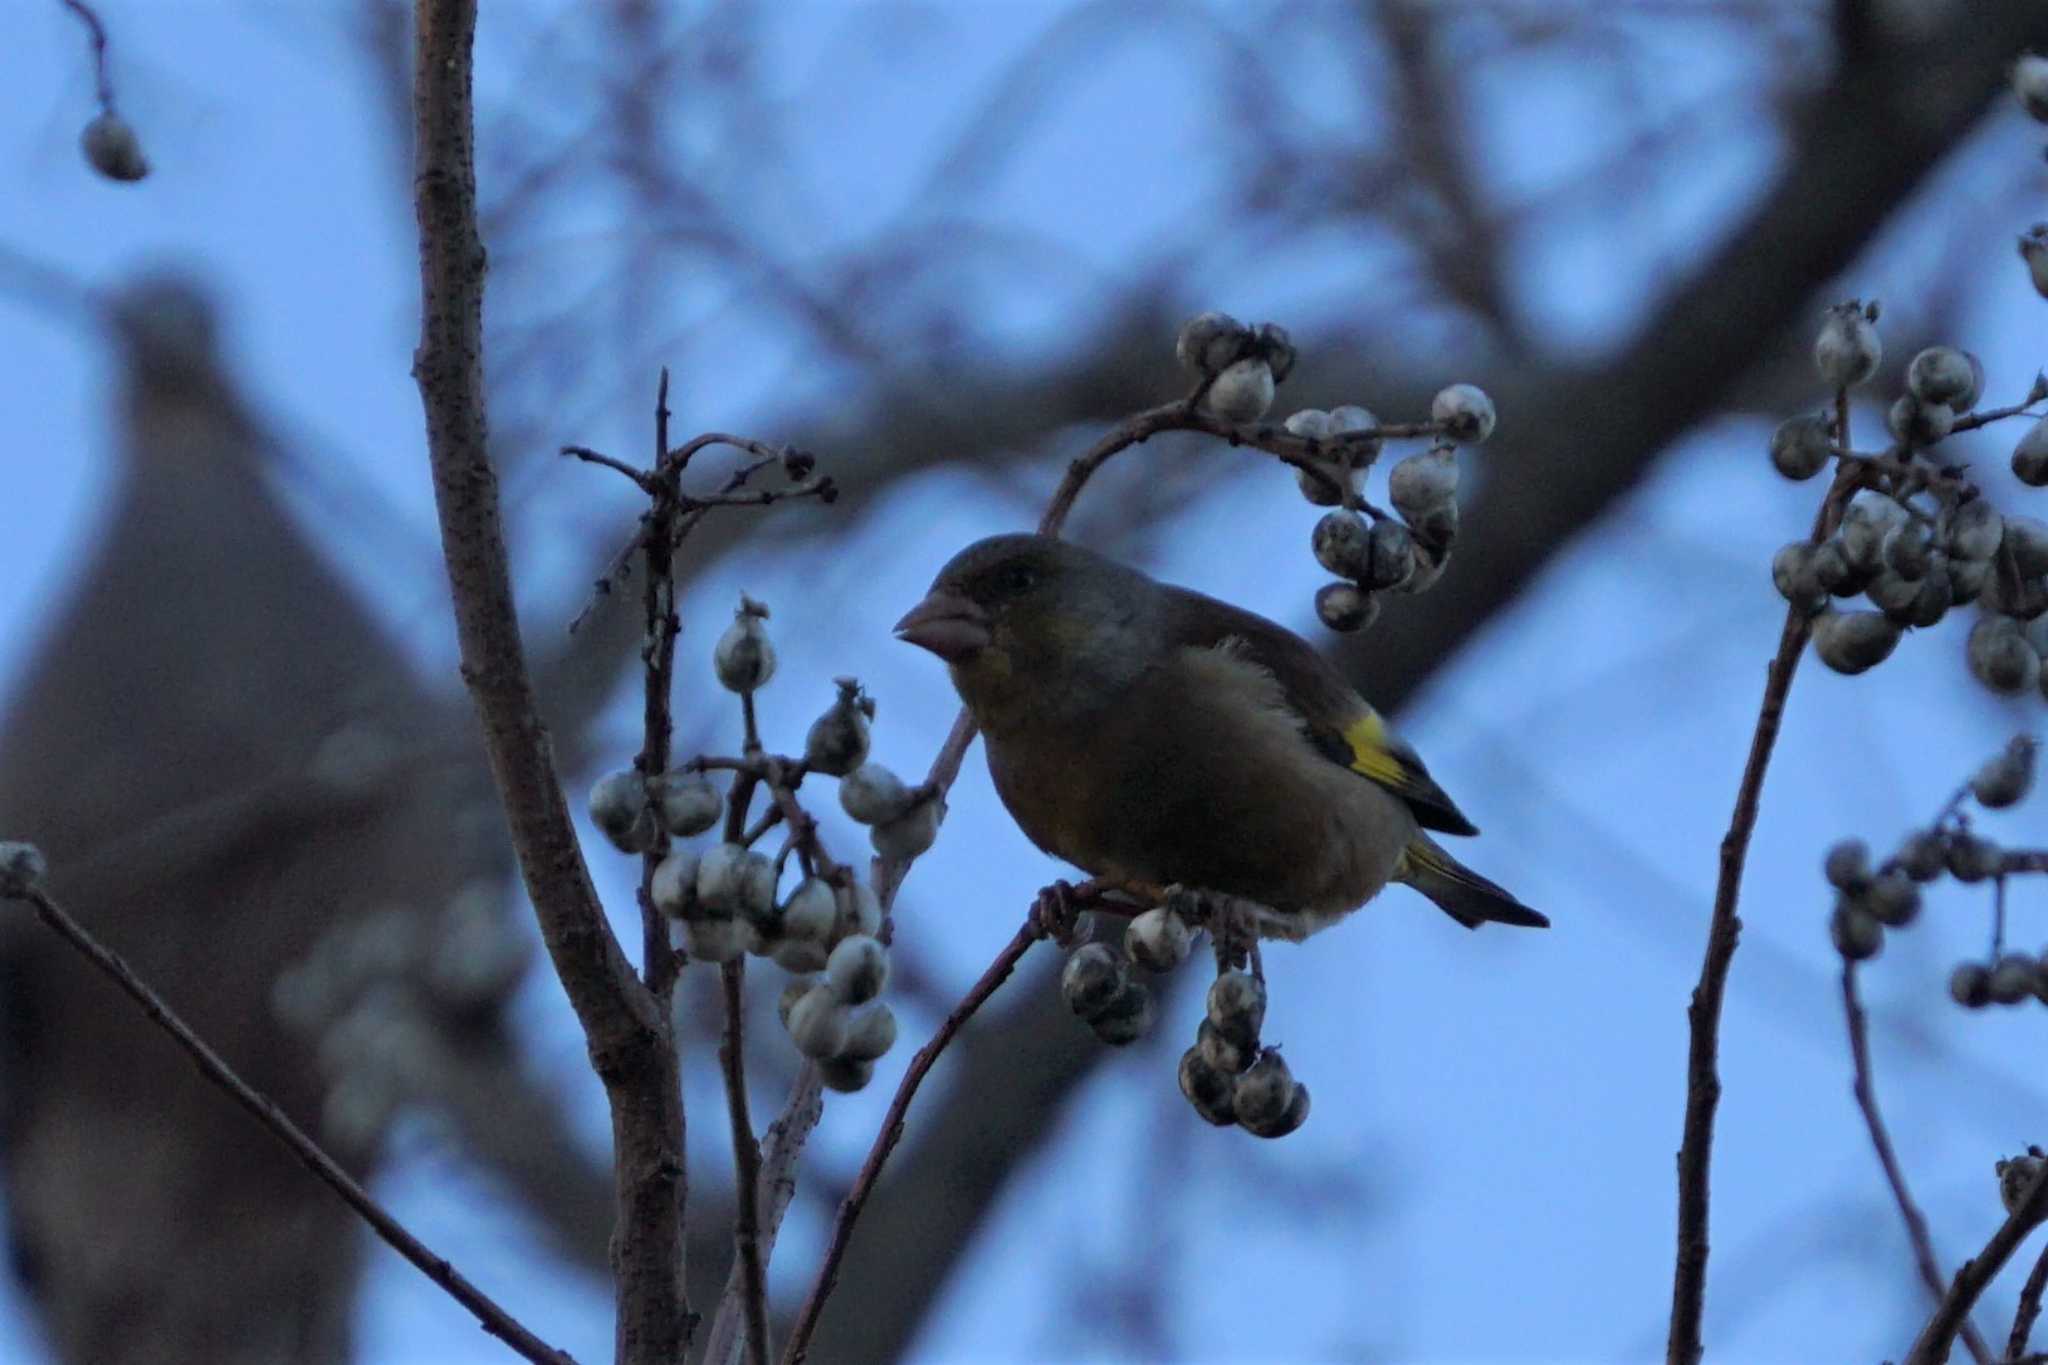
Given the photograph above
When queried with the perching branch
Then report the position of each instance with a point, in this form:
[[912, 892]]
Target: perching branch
[[1977, 1274], [1895, 1176], [488, 1314], [892, 1132], [626, 1030]]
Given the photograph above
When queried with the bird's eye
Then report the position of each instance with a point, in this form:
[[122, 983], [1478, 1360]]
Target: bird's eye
[[1012, 579]]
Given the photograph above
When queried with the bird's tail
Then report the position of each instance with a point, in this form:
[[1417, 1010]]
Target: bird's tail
[[1460, 892]]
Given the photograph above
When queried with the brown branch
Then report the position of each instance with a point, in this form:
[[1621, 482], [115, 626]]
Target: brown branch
[[1724, 931], [626, 1030], [1894, 1174], [782, 1145], [488, 1314], [746, 1160], [2029, 1308], [1977, 1273], [892, 1132]]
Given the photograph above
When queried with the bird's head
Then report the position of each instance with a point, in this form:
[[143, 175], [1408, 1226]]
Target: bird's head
[[1033, 619]]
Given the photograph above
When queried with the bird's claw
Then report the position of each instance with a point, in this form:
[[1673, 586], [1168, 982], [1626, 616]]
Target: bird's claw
[[1054, 913]]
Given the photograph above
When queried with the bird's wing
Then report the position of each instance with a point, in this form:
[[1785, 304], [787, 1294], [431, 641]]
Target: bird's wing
[[1338, 722]]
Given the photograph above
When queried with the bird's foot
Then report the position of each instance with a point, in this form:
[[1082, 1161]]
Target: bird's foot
[[1054, 914]]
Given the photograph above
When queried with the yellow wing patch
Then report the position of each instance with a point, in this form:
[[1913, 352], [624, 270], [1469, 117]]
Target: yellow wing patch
[[1376, 754]]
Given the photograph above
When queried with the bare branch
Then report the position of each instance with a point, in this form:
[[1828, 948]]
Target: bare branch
[[1895, 1176], [627, 1031], [489, 1315], [1977, 1274]]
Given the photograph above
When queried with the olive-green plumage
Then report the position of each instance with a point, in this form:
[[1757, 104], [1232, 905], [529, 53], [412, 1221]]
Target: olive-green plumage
[[1145, 732]]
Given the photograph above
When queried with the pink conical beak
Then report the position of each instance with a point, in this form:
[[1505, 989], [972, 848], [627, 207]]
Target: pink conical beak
[[946, 623]]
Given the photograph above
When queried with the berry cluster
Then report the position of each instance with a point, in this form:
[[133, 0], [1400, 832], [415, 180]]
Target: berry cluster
[[1870, 899], [723, 900], [1370, 550], [1228, 1076], [1914, 537]]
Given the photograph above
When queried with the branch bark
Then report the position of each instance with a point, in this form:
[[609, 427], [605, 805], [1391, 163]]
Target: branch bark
[[625, 1028]]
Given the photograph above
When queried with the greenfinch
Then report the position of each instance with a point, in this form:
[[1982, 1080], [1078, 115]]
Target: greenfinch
[[1152, 735]]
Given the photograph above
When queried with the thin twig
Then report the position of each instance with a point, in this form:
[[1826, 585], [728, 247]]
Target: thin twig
[[1724, 931], [625, 1027], [657, 961], [2029, 1309], [1866, 1100], [1931, 1348], [746, 1160], [103, 83], [488, 1314], [780, 1148], [892, 1132]]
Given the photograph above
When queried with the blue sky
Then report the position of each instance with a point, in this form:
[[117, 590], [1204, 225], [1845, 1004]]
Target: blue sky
[[1488, 1171]]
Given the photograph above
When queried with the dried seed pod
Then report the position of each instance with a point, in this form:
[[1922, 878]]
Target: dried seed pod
[[714, 940], [1917, 423], [819, 1023], [1936, 596], [112, 149], [1945, 375], [1340, 543], [1847, 350], [1792, 574], [2026, 540], [673, 888], [1907, 552], [798, 955], [2012, 979], [1208, 1090], [1237, 1006], [2030, 85], [1346, 606], [618, 807], [1972, 857], [811, 914], [860, 911], [1390, 555], [858, 969], [1349, 420], [1923, 856], [1830, 565], [1243, 392], [1210, 341], [845, 1074], [733, 880], [1866, 523], [871, 1035], [1158, 940], [1853, 641], [1847, 865], [687, 802], [837, 741], [22, 867], [1893, 899], [1421, 485], [2030, 456], [1127, 1017], [793, 990], [2034, 251], [1220, 1052], [2001, 658], [909, 835], [1856, 933], [1288, 1122], [743, 658], [872, 793], [2007, 777], [1975, 530], [1464, 412], [1264, 1091], [1309, 423], [1093, 977], [1271, 344], [1969, 985], [1802, 446], [1967, 578], [1325, 486]]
